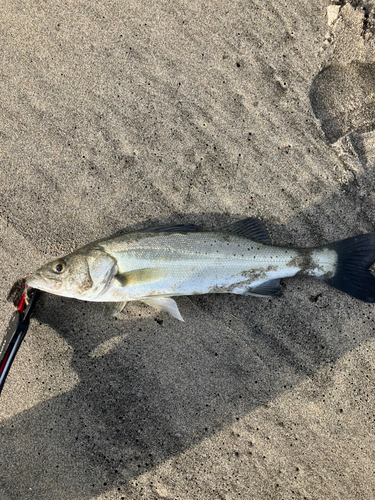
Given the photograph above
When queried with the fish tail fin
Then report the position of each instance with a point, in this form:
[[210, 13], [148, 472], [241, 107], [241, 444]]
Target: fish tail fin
[[354, 272]]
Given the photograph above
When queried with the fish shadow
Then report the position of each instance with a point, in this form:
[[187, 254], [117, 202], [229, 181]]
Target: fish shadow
[[166, 385]]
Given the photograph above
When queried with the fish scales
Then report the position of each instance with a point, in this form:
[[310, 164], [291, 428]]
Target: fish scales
[[198, 262]]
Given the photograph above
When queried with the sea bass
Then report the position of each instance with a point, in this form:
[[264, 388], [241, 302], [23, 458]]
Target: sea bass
[[156, 264]]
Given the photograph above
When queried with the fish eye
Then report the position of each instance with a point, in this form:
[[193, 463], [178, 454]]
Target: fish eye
[[59, 267]]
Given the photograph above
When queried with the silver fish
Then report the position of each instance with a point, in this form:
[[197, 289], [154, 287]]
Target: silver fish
[[156, 264]]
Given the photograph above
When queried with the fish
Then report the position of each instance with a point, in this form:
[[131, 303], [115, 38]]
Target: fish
[[153, 265]]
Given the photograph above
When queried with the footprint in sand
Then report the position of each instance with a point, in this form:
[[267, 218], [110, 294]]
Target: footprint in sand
[[342, 97]]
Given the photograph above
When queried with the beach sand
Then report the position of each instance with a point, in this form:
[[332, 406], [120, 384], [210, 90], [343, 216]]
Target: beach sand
[[121, 115]]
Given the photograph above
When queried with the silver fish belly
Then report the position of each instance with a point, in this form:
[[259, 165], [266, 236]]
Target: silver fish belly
[[157, 264]]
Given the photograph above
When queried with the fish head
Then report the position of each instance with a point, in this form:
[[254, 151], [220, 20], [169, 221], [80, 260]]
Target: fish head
[[83, 274]]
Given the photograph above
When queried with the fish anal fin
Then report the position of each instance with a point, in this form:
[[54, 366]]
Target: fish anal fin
[[164, 304], [137, 276], [249, 228], [267, 289]]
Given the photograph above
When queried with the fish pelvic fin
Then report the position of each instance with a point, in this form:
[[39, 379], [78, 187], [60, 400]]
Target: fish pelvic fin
[[249, 228], [164, 304], [354, 269], [114, 308]]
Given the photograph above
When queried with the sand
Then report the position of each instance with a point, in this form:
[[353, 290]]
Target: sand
[[125, 114]]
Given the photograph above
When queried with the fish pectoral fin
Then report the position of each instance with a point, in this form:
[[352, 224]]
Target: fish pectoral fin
[[164, 304], [267, 289], [114, 308], [249, 228], [137, 276]]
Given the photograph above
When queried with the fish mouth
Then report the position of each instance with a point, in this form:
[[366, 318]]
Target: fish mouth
[[37, 280]]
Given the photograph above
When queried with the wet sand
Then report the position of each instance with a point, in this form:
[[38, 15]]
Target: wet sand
[[121, 115]]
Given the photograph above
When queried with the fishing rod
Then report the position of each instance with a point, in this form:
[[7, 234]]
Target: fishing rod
[[15, 332]]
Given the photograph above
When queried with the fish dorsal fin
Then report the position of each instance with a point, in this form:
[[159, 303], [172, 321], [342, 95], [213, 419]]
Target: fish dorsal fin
[[164, 304], [137, 276], [249, 228], [175, 228]]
